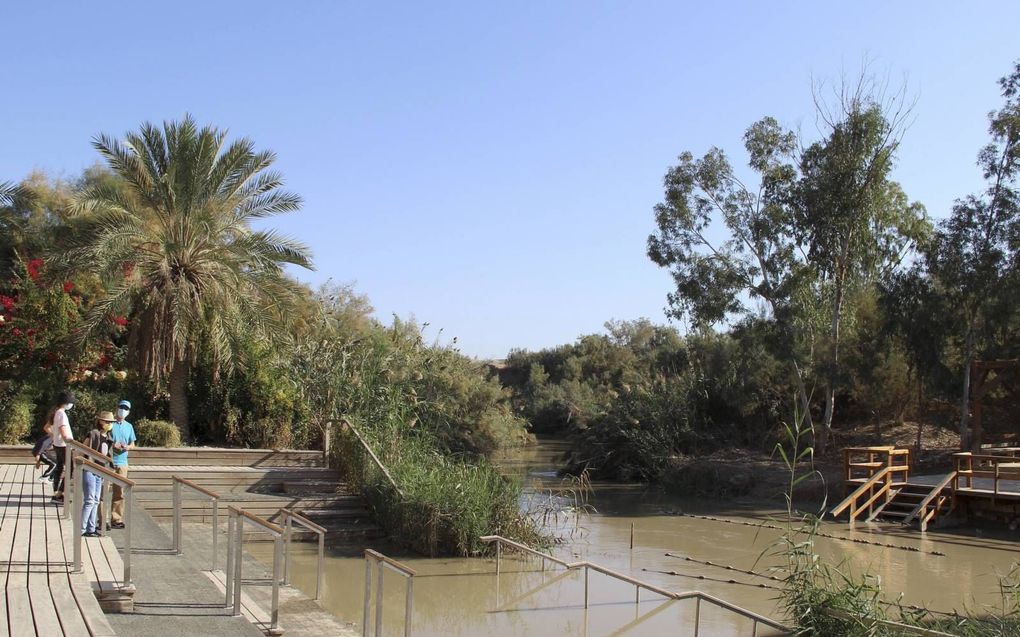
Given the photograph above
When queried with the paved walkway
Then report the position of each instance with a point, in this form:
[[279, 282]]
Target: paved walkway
[[300, 616], [174, 596]]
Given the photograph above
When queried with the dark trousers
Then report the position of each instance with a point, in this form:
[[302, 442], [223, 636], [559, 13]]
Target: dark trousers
[[51, 465], [58, 471]]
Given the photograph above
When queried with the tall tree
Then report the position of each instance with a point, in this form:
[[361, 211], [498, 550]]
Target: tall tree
[[726, 244], [174, 242], [975, 251], [854, 220]]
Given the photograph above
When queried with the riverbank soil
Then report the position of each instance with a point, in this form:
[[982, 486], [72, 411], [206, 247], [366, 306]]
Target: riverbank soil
[[763, 477]]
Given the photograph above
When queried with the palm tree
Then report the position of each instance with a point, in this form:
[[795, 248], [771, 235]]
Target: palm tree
[[173, 241]]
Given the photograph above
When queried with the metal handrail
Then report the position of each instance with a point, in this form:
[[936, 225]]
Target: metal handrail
[[178, 482], [70, 486], [289, 518], [899, 626], [235, 533], [638, 584], [346, 424], [382, 562], [128, 486]]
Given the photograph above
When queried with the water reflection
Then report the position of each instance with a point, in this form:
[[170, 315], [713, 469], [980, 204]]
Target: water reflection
[[464, 596]]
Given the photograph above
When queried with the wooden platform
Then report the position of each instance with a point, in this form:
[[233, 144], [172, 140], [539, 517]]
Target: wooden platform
[[41, 594]]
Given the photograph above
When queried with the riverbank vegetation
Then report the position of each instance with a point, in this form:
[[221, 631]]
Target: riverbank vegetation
[[821, 598], [145, 279], [809, 279]]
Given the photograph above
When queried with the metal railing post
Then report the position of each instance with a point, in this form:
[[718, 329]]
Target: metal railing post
[[68, 477], [215, 531], [586, 587], [379, 600], [238, 553], [107, 495], [408, 608], [289, 529], [274, 617], [79, 469], [368, 597], [320, 572], [228, 574], [177, 516], [499, 547], [129, 499], [697, 616]]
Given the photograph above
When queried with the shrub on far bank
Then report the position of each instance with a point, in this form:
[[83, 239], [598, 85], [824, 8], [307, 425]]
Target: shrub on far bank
[[157, 433]]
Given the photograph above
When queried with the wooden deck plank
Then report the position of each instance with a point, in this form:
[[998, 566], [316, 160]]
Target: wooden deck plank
[[44, 612], [19, 613], [68, 612], [9, 530]]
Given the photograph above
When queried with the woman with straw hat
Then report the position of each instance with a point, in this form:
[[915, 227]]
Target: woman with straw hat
[[99, 440]]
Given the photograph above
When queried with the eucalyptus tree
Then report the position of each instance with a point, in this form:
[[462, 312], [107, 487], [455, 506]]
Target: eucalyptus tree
[[855, 222], [975, 252], [174, 242], [727, 244]]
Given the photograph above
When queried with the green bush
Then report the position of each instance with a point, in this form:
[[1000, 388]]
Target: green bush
[[157, 433], [444, 504], [16, 421]]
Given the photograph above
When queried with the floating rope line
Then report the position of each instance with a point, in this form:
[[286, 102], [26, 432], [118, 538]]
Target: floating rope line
[[713, 579], [764, 525], [688, 558], [724, 566]]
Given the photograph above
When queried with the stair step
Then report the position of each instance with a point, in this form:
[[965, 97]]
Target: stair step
[[312, 486]]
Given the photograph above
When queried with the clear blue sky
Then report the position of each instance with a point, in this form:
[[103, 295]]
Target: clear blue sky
[[490, 170]]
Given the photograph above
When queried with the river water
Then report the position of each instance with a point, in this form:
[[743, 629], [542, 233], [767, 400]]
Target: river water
[[464, 596]]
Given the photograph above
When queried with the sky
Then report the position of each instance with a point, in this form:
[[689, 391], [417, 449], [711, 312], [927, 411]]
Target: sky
[[491, 168]]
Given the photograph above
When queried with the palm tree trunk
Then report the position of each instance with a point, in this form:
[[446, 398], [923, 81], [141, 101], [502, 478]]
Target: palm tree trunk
[[179, 398]]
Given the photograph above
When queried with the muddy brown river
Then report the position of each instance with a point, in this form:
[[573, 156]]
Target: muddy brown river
[[464, 596]]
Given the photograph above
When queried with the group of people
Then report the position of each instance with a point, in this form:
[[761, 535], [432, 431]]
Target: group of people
[[112, 436]]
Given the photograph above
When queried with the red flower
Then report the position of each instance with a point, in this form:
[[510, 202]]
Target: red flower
[[104, 360], [16, 331], [120, 321], [68, 286], [7, 302], [33, 268]]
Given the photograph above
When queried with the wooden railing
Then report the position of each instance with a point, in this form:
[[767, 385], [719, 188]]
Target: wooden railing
[[869, 460], [876, 487], [925, 511], [698, 596], [995, 467]]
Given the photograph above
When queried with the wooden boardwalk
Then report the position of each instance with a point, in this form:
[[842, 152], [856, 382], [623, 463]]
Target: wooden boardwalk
[[42, 596]]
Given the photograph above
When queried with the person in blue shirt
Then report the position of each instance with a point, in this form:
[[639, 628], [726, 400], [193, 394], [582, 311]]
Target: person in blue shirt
[[123, 436]]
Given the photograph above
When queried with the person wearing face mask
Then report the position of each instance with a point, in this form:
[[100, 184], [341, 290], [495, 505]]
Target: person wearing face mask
[[99, 440], [60, 429], [123, 436]]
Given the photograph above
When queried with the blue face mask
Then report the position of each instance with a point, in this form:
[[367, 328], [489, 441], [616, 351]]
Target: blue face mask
[[122, 413]]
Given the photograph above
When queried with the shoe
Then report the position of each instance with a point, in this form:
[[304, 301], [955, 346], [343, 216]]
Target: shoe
[[56, 500], [117, 525]]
